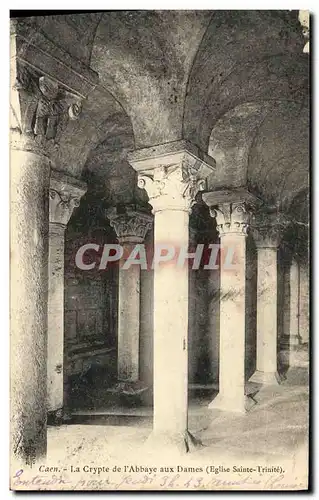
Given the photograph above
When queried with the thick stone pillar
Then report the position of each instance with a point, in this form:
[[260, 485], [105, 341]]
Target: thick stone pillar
[[29, 217], [171, 174], [267, 237], [65, 194], [304, 286], [131, 228], [192, 300], [146, 323], [213, 324], [232, 219], [29, 293], [294, 336], [294, 339], [46, 92]]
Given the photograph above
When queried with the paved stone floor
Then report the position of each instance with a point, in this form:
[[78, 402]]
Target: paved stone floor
[[273, 432]]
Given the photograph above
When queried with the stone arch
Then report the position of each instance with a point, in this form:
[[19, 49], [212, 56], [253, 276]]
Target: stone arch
[[249, 48], [145, 62]]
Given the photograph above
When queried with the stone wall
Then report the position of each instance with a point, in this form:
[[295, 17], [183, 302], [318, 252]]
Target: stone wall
[[90, 307]]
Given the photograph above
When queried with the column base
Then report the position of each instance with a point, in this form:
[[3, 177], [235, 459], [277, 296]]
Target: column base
[[266, 378], [240, 404], [294, 340], [58, 417], [299, 356], [180, 443], [55, 417]]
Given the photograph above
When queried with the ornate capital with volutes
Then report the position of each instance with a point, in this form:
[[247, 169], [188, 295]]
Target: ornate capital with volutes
[[172, 174], [267, 228], [232, 208], [232, 218], [64, 195], [172, 188], [131, 225]]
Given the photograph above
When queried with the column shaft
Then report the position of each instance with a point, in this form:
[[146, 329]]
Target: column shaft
[[172, 174], [294, 316], [65, 194], [213, 290], [170, 328], [294, 337], [29, 295], [192, 345], [56, 317], [147, 325], [266, 366], [304, 303], [128, 320], [232, 215], [232, 328], [131, 225]]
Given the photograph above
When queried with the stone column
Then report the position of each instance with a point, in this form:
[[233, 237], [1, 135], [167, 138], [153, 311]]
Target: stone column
[[171, 174], [65, 194], [213, 323], [294, 336], [294, 313], [267, 237], [232, 219], [304, 302], [131, 228], [46, 93], [192, 299], [29, 293], [29, 218], [146, 323]]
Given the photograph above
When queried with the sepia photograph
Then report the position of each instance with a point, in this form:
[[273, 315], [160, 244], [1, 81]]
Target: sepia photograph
[[159, 250]]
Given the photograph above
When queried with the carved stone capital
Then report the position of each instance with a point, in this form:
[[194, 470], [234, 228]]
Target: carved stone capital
[[40, 109], [304, 21], [232, 218], [131, 225], [64, 195], [47, 89], [172, 188], [267, 228], [172, 174]]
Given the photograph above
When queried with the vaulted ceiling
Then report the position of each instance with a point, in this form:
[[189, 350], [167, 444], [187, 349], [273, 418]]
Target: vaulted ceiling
[[235, 83]]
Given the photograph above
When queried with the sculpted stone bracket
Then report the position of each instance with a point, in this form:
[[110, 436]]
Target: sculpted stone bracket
[[64, 195], [131, 225], [172, 174]]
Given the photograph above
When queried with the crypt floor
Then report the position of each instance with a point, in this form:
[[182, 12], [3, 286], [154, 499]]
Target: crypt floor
[[274, 429]]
